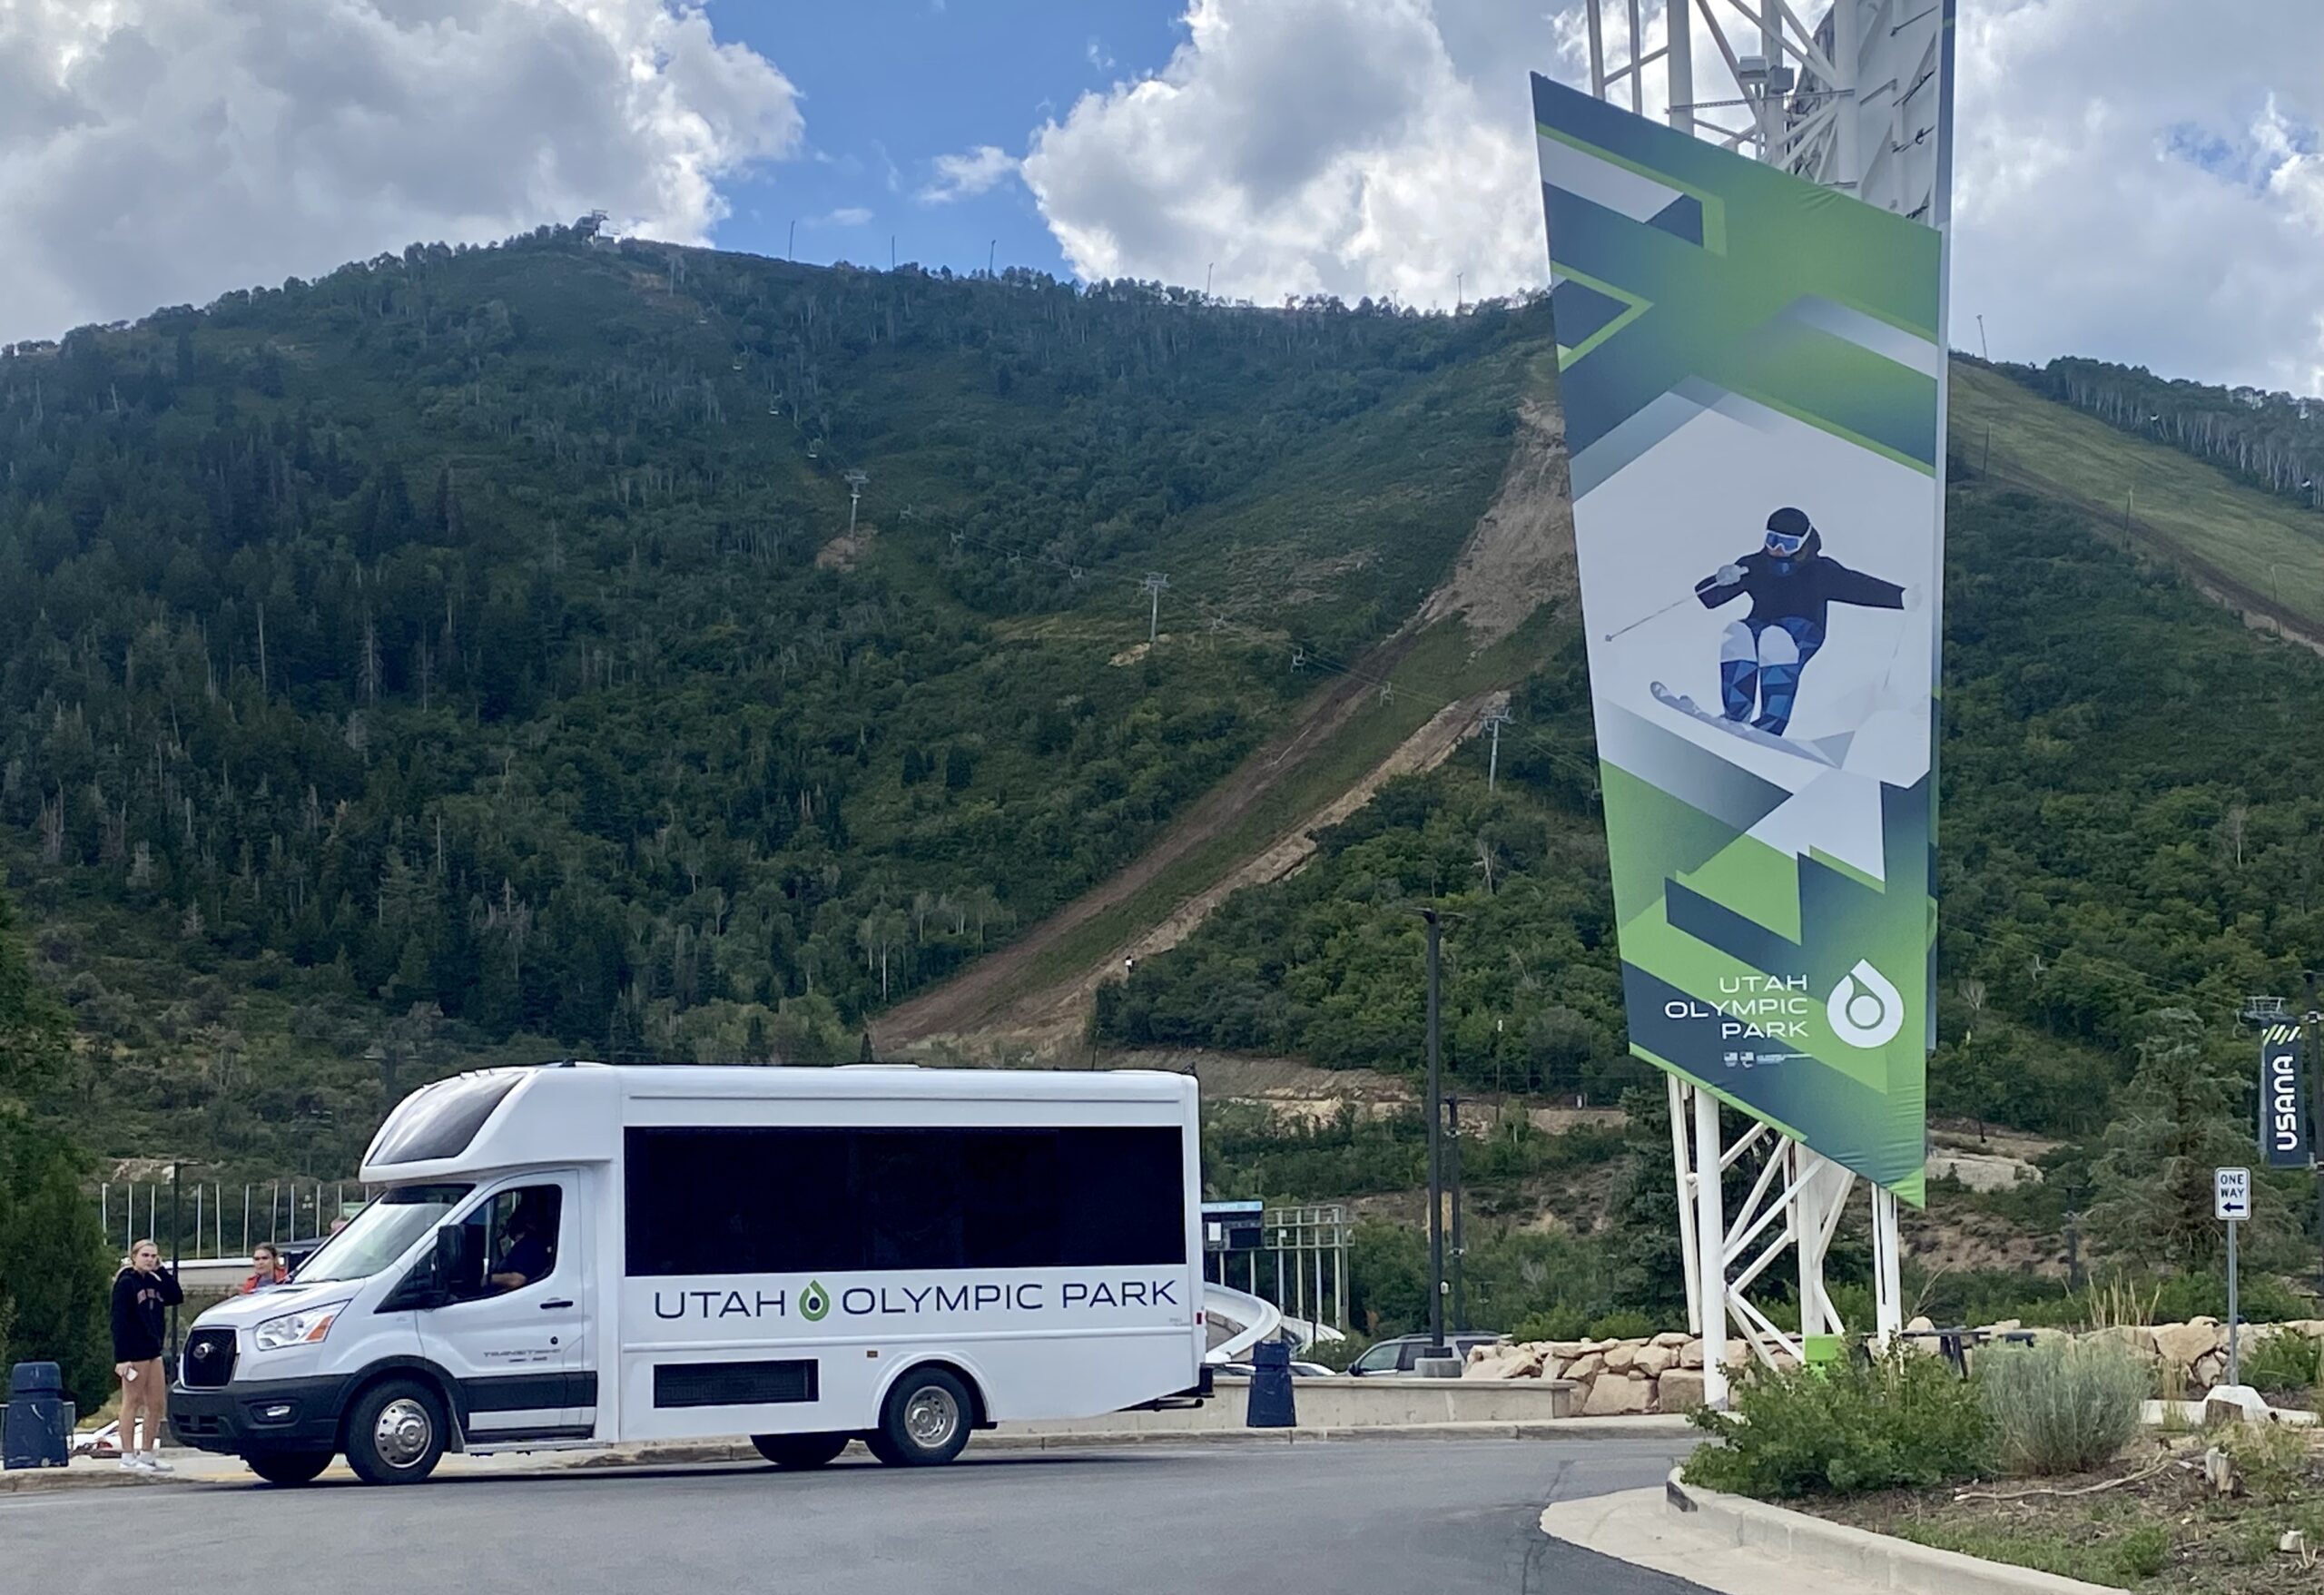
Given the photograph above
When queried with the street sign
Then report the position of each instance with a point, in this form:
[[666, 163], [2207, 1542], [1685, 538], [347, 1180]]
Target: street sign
[[2232, 1193]]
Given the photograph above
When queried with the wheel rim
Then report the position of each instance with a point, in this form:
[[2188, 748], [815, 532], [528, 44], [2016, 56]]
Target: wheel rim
[[931, 1417], [402, 1432]]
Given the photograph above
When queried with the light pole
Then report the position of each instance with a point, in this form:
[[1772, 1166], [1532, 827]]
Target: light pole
[[1436, 1146]]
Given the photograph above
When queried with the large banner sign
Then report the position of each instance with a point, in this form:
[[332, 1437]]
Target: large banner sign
[[1750, 372], [2283, 1123]]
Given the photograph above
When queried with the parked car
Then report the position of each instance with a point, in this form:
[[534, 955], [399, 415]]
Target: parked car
[[1399, 1355]]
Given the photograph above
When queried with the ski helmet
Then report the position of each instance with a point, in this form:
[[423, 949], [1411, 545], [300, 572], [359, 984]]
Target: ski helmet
[[1788, 531]]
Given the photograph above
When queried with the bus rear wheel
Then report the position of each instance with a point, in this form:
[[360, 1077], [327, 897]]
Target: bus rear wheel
[[800, 1451], [925, 1421]]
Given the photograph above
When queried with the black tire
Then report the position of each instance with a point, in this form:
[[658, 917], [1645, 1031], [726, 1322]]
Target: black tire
[[925, 1419], [396, 1433], [800, 1451], [288, 1467]]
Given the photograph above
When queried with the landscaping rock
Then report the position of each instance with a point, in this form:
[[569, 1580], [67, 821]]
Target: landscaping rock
[[1614, 1397], [2180, 1345], [1652, 1360], [1588, 1365], [1670, 1338], [1691, 1355], [1620, 1357], [1679, 1390]]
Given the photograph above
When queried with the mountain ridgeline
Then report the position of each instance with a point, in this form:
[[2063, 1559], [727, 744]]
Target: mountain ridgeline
[[480, 645]]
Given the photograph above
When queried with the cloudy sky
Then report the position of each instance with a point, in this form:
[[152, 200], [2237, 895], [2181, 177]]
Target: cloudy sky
[[2129, 186]]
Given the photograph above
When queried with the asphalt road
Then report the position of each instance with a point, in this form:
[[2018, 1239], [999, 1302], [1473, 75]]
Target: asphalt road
[[1363, 1517]]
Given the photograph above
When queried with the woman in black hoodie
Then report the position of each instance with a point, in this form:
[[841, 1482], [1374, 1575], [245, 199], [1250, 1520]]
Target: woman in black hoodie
[[143, 1293]]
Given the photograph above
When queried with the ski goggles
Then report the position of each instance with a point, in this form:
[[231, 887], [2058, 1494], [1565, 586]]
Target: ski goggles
[[1784, 543]]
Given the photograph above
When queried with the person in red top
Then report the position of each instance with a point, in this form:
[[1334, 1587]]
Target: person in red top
[[270, 1269]]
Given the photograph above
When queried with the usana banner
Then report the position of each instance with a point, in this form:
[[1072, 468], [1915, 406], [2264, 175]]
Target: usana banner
[[1750, 367], [2283, 1122]]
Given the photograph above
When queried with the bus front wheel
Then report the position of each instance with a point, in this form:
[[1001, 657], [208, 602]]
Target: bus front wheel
[[925, 1421], [800, 1451]]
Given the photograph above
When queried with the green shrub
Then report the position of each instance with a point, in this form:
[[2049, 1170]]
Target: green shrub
[[1901, 1419], [2285, 1363], [2060, 1407], [1621, 1326], [1557, 1323]]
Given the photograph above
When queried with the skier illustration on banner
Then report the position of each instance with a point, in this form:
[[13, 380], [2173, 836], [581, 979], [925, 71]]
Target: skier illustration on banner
[[1791, 582]]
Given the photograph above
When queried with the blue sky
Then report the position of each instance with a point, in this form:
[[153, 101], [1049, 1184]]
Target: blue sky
[[887, 86]]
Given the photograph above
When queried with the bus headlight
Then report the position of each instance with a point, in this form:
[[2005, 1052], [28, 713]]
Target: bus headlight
[[304, 1327]]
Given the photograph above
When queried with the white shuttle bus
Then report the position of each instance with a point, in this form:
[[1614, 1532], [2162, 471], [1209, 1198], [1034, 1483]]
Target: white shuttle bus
[[580, 1253]]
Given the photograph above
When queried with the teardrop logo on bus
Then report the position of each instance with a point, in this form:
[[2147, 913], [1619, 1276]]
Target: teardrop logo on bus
[[814, 1302], [1866, 1010]]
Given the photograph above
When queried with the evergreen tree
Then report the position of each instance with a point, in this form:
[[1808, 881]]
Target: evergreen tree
[[2177, 1120]]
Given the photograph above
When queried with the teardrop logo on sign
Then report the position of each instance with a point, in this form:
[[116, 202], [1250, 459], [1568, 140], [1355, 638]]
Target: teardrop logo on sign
[[814, 1302], [1866, 1010]]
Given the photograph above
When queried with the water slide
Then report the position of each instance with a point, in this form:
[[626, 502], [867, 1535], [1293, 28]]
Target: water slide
[[1237, 1321]]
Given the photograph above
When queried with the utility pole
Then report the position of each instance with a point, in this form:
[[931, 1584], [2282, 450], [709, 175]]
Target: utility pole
[[1495, 718], [1154, 584], [855, 480], [792, 247], [1452, 1147], [1206, 270], [1435, 1149], [989, 250], [176, 1231], [1982, 350]]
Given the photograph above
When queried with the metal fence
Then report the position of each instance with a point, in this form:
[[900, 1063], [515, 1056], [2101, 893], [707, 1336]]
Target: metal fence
[[200, 1220], [1300, 1262]]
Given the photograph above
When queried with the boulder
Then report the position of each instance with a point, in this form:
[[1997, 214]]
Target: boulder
[[2209, 1369], [1679, 1390], [2135, 1338], [1613, 1397], [1621, 1355], [2180, 1345], [2234, 1403], [1484, 1368], [1565, 1350], [1670, 1338], [1653, 1360], [1480, 1352], [1920, 1324], [1588, 1365], [1691, 1355]]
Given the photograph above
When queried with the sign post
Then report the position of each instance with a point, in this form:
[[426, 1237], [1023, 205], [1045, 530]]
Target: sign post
[[2231, 1204]]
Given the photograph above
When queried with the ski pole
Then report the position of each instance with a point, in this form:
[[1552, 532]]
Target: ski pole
[[1642, 619]]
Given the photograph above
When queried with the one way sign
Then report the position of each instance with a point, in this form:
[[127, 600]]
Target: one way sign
[[2232, 1193]]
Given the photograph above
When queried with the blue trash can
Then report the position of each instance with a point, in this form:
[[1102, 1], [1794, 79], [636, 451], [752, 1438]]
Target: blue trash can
[[1271, 1404], [38, 1430]]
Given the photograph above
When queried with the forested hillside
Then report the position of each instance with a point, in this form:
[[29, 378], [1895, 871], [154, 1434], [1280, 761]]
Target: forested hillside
[[469, 648]]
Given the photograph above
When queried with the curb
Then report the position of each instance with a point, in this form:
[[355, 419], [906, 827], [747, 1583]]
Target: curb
[[682, 1453], [677, 1452], [1867, 1560]]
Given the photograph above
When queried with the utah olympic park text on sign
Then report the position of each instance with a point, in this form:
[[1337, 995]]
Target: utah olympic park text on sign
[[813, 1303]]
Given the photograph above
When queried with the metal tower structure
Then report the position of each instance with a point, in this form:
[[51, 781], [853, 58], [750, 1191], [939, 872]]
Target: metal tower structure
[[1861, 104], [855, 480]]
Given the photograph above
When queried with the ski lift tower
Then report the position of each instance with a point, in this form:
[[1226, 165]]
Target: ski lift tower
[[1862, 103]]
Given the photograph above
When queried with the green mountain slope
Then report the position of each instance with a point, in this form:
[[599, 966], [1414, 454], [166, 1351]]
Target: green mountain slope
[[2260, 553], [466, 656]]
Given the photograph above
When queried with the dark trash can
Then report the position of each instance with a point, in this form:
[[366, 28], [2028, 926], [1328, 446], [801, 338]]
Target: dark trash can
[[38, 1430], [1270, 1405]]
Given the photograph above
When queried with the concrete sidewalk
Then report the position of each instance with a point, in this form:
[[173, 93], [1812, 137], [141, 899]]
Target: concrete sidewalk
[[196, 1467], [1741, 1547]]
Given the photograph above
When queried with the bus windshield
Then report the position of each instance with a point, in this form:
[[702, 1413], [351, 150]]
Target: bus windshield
[[381, 1234]]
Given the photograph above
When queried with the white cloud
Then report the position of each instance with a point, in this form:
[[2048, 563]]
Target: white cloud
[[2127, 186], [1100, 61], [1305, 146], [845, 216], [157, 152], [969, 173]]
